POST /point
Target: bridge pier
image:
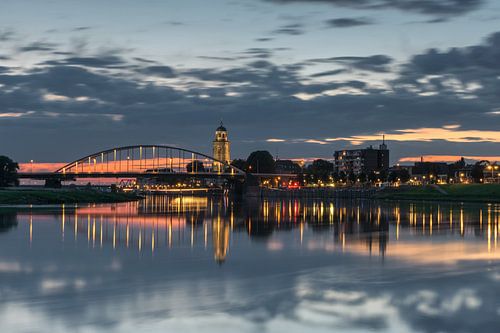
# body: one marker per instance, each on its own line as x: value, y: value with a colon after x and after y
x: 252, y: 185
x: 237, y: 188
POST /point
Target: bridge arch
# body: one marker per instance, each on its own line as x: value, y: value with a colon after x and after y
x: 149, y: 159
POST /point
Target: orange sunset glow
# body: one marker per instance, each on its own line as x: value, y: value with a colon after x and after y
x: 450, y: 133
x: 448, y: 158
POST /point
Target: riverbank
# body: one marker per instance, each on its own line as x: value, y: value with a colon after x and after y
x: 452, y: 192
x: 15, y: 196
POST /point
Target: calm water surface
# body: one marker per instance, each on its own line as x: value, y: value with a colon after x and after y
x: 171, y: 264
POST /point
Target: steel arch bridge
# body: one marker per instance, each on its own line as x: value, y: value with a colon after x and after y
x: 144, y: 161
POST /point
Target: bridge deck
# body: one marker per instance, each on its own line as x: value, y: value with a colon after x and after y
x: 70, y: 176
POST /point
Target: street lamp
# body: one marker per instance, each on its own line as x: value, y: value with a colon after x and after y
x: 492, y: 168
x: 31, y: 162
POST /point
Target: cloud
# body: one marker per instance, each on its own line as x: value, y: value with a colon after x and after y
x: 347, y: 22
x: 217, y: 58
x: 298, y: 105
x: 482, y: 56
x: 427, y: 7
x: 15, y: 114
x: 144, y: 60
x: 258, y: 52
x: 174, y: 23
x: 106, y: 61
x: 161, y: 71
x: 319, y: 142
x: 376, y: 63
x: 6, y: 35
x: 328, y: 73
x: 39, y: 46
x: 293, y: 29
x: 82, y: 28
x: 468, y: 72
x: 458, y: 59
x: 446, y: 133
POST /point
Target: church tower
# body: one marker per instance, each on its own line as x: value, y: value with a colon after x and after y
x: 221, y: 146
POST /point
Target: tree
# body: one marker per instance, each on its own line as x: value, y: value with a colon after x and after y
x: 336, y: 177
x: 260, y: 161
x: 195, y: 166
x: 382, y: 175
x: 351, y: 177
x: 477, y: 172
x: 342, y: 176
x: 362, y: 177
x: 372, y: 177
x: 321, y: 169
x: 8, y: 172
x: 240, y: 164
x: 401, y: 175
x: 405, y: 176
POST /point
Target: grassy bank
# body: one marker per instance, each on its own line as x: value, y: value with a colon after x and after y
x: 455, y: 192
x: 60, y: 196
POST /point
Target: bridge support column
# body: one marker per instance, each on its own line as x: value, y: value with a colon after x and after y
x: 251, y: 186
x: 236, y: 188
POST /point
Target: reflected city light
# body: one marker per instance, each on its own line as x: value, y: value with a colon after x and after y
x: 209, y: 223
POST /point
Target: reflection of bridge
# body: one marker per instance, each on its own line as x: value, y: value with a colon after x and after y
x: 146, y: 161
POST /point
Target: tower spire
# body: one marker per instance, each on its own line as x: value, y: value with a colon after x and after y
x: 383, y: 146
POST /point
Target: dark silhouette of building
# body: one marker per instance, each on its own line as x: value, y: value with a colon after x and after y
x: 287, y: 166
x: 365, y: 160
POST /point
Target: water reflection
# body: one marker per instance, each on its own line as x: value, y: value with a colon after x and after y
x: 190, y: 264
x: 8, y: 220
x: 161, y: 222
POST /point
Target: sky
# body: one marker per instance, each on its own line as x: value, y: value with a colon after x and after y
x: 298, y: 78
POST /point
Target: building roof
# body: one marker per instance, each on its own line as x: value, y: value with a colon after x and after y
x: 221, y: 128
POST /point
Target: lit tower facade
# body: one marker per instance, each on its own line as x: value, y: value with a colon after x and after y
x: 221, y: 146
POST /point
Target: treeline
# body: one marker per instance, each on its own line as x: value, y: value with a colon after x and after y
x: 319, y: 171
x: 8, y: 172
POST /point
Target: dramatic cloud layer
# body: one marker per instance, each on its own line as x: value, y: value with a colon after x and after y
x: 93, y: 101
x: 430, y: 7
x: 347, y: 22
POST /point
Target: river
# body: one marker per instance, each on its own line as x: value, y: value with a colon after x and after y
x: 197, y: 264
